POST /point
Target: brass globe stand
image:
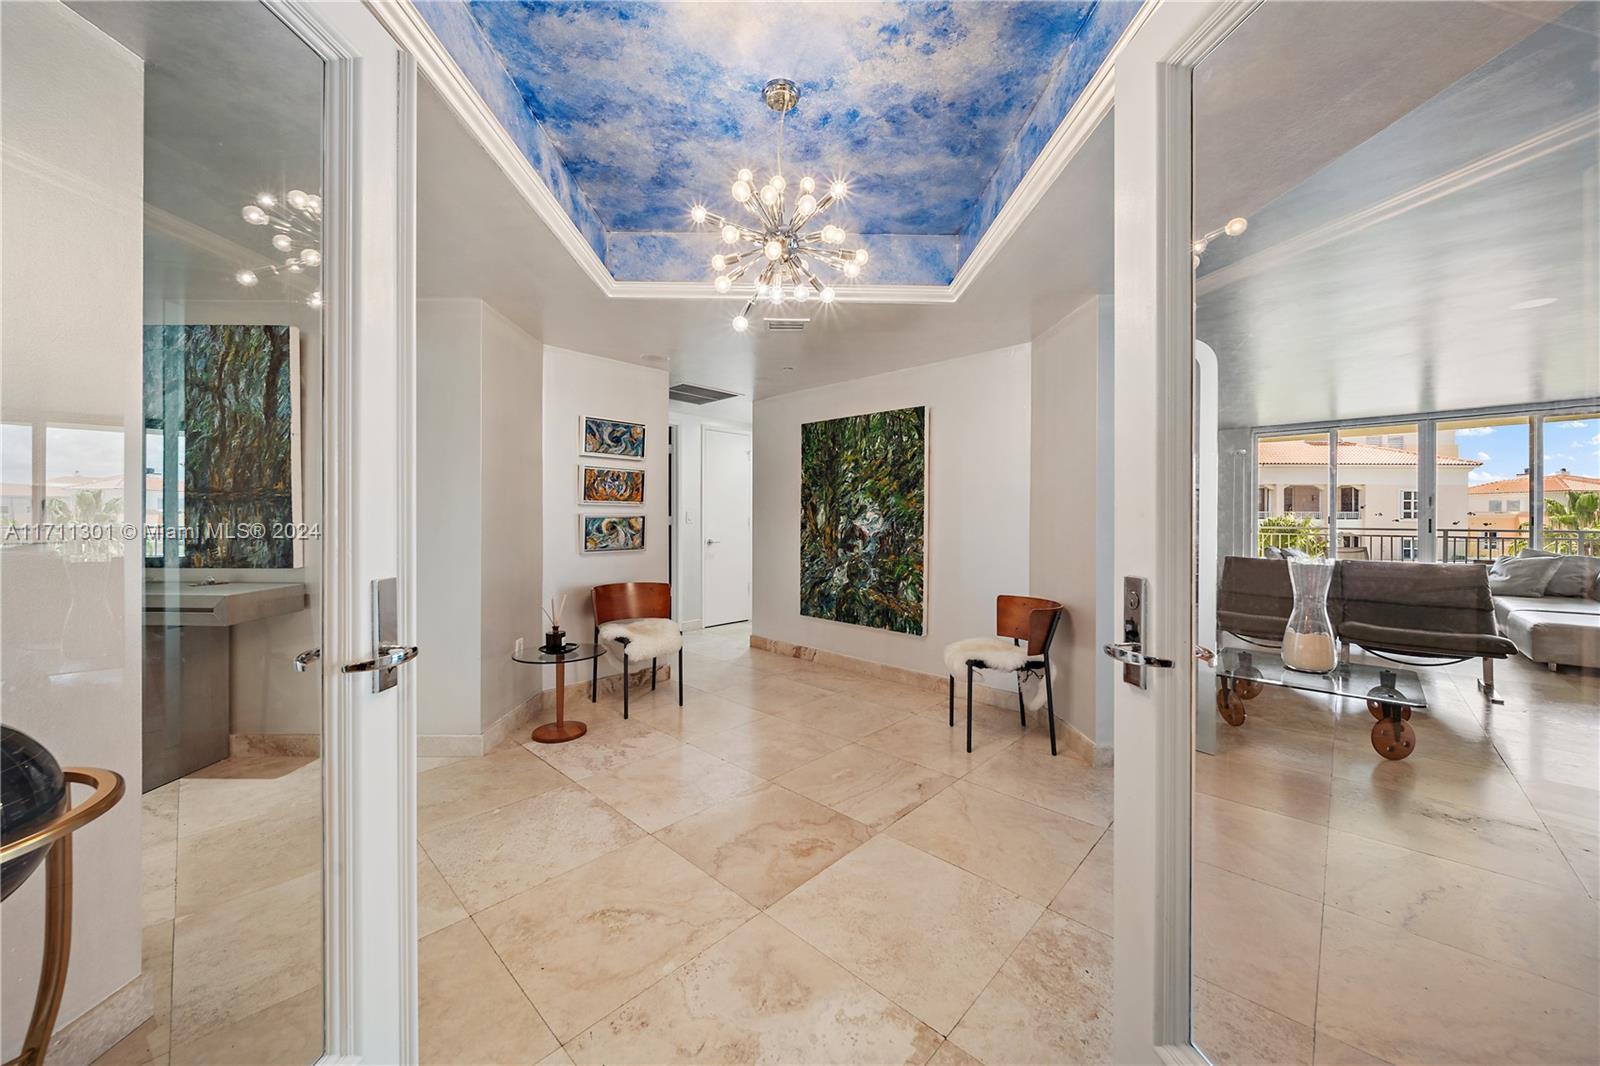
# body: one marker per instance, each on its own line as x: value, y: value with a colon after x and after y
x: 57, y: 836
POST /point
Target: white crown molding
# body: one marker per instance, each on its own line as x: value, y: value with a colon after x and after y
x: 409, y: 28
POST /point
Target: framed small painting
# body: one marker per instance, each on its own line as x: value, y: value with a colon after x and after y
x: 612, y: 439
x: 613, y: 533
x: 606, y: 484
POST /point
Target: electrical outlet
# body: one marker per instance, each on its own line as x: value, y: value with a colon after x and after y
x: 519, y: 646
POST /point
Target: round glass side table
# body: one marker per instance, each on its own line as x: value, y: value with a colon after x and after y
x: 560, y: 730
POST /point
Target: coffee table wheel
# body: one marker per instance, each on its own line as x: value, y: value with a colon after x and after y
x: 1393, y: 738
x: 1247, y: 688
x: 1230, y: 706
x: 1375, y: 707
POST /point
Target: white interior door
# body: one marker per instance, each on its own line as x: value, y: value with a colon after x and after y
x: 725, y: 495
x: 369, y: 291
x: 1154, y: 420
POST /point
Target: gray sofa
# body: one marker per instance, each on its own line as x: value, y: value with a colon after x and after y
x: 1553, y: 620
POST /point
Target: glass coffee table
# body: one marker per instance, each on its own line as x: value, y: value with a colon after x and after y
x: 1391, y: 694
x: 560, y: 730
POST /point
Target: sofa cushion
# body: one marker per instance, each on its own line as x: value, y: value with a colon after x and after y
x: 1439, y: 598
x: 1426, y: 641
x: 1574, y: 575
x: 1556, y: 637
x: 1522, y: 575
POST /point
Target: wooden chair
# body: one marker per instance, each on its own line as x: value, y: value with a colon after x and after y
x: 1018, y: 618
x: 633, y: 619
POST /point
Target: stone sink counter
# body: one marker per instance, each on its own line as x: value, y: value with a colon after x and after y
x: 188, y: 601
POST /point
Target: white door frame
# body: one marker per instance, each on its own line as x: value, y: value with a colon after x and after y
x: 1154, y: 462
x: 749, y: 438
x: 369, y: 739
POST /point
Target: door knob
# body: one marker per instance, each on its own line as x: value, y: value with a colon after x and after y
x: 303, y: 661
x: 710, y: 541
x: 389, y: 656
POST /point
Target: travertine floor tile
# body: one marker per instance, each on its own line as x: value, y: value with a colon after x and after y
x: 247, y: 855
x: 871, y: 786
x: 701, y: 715
x: 1024, y: 848
x: 1298, y: 794
x: 925, y: 933
x: 472, y: 786
x: 1257, y: 942
x: 769, y: 746
x: 932, y: 743
x: 602, y: 749
x: 1088, y: 897
x: 286, y: 1033
x: 472, y: 1012
x: 764, y: 844
x: 760, y: 996
x: 247, y: 786
x: 437, y: 905
x: 1050, y: 1002
x: 583, y: 944
x: 840, y: 714
x: 1268, y: 847
x: 662, y: 789
x: 1458, y: 1007
x: 1060, y: 783
x: 497, y: 854
x: 1231, y: 1030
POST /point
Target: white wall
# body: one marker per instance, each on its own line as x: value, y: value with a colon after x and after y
x: 978, y: 502
x: 576, y: 385
x: 1070, y: 527
x: 688, y: 544
x: 479, y: 490
x: 73, y: 120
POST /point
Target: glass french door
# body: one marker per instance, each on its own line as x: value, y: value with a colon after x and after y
x: 204, y: 440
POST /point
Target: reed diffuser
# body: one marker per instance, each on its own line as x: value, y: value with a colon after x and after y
x: 555, y: 640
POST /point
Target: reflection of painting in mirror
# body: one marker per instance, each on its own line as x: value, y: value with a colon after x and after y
x: 862, y: 508
x: 615, y: 440
x: 222, y: 402
x: 613, y: 533
x: 602, y: 484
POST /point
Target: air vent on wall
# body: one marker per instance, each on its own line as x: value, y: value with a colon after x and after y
x: 786, y: 324
x: 698, y: 394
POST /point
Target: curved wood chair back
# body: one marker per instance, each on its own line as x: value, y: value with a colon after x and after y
x: 1027, y: 618
x: 632, y: 599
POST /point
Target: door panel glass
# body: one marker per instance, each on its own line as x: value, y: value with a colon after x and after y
x: 162, y: 430
x: 1394, y: 861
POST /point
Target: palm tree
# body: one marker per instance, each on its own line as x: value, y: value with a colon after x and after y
x: 1581, y: 514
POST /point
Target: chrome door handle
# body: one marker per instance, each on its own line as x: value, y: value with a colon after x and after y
x: 303, y: 661
x: 710, y: 541
x: 389, y: 656
x: 1130, y: 655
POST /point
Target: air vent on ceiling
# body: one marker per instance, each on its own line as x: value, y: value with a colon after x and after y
x: 698, y: 394
x: 786, y: 324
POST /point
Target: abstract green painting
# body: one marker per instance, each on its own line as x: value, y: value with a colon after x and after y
x: 863, y: 510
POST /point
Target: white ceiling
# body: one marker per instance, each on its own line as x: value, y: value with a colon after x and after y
x: 478, y: 238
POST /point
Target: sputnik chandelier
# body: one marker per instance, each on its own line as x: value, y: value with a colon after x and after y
x: 774, y: 251
x: 297, y: 220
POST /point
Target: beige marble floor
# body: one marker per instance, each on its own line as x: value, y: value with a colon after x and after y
x: 804, y: 865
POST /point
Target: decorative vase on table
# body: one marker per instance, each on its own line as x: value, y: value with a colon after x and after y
x: 1308, y: 642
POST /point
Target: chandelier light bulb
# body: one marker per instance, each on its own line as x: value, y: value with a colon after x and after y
x: 314, y: 202
x: 293, y: 266
x: 723, y: 283
x: 761, y: 290
x: 282, y: 242
x: 808, y: 184
x: 769, y: 195
x: 698, y: 213
x: 832, y: 234
x: 740, y: 323
x: 801, y: 293
x: 837, y: 190
x: 774, y: 249
x: 1235, y: 227
x: 719, y: 262
x: 741, y: 189
x: 745, y: 175
x: 311, y: 257
x: 778, y: 182
x: 827, y: 294
x: 852, y: 270
x: 861, y: 256
x: 1200, y: 246
x: 266, y: 199
x: 807, y: 204
x: 297, y: 199
x: 253, y: 215
x: 314, y: 301
x: 776, y: 295
x: 246, y: 278
x: 730, y: 233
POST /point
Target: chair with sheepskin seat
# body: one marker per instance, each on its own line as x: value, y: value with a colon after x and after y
x: 1018, y: 618
x: 633, y: 621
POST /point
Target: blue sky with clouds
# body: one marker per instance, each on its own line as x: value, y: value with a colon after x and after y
x: 1503, y: 450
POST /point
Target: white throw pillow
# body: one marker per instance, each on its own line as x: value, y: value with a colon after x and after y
x: 1574, y: 575
x: 1523, y: 575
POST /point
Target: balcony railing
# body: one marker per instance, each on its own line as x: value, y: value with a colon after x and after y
x: 1451, y: 545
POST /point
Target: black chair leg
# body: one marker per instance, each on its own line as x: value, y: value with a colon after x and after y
x: 594, y: 666
x: 1022, y: 707
x: 970, y: 672
x: 653, y: 669
x: 1050, y: 707
x: 625, y: 669
x: 680, y: 676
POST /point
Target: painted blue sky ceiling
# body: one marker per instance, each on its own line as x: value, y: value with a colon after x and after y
x: 933, y: 111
